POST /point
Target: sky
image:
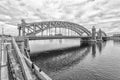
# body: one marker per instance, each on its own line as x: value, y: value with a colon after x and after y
x: 104, y: 14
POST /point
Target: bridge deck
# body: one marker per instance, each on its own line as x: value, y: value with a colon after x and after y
x: 56, y: 37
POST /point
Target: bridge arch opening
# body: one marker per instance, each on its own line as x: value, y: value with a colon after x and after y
x: 53, y: 31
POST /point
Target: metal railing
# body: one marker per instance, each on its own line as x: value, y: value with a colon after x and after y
x: 38, y: 72
x: 27, y: 65
x: 26, y: 72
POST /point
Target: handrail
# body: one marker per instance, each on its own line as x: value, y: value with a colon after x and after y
x: 40, y: 74
x: 26, y: 72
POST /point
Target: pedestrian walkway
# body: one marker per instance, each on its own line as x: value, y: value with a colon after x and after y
x: 3, y: 62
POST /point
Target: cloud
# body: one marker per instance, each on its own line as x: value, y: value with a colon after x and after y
x: 101, y: 13
x: 5, y: 17
x: 8, y: 29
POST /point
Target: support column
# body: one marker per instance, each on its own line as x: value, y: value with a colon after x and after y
x: 42, y: 33
x: 55, y: 30
x: 93, y: 33
x: 48, y: 32
x: 68, y: 32
x: 60, y: 30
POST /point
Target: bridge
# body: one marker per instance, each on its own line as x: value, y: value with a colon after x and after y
x: 15, y: 60
x: 71, y: 30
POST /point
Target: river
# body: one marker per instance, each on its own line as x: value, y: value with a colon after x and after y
x: 84, y: 61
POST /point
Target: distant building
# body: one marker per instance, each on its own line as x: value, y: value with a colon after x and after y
x: 6, y: 35
x: 116, y: 35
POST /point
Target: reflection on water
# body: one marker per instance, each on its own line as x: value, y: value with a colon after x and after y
x: 88, y: 61
x: 99, y: 46
x: 116, y: 42
x: 48, y: 45
x: 93, y: 50
x: 62, y: 59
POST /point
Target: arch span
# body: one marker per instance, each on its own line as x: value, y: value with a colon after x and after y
x: 36, y: 27
x: 103, y: 34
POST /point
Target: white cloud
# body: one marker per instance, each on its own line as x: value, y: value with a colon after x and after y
x: 5, y: 17
x: 84, y: 12
x: 8, y: 29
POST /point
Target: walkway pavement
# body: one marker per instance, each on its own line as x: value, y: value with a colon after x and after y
x: 3, y: 63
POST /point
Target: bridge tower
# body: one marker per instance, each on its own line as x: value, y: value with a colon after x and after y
x: 93, y: 33
x: 25, y: 41
x: 23, y: 27
x: 19, y: 30
x: 100, y: 35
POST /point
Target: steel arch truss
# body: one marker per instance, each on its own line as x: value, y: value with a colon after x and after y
x: 101, y: 33
x: 37, y: 27
x: 104, y: 34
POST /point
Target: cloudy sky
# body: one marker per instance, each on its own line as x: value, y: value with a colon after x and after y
x: 103, y: 14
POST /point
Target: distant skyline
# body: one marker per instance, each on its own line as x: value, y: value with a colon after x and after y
x: 104, y: 14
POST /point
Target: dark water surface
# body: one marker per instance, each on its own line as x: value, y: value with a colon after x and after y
x: 85, y: 61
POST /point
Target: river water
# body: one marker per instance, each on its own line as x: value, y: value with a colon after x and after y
x: 84, y: 61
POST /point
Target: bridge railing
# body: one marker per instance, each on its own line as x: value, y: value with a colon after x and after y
x: 40, y: 74
x: 28, y: 65
x: 26, y: 72
x: 10, y: 64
